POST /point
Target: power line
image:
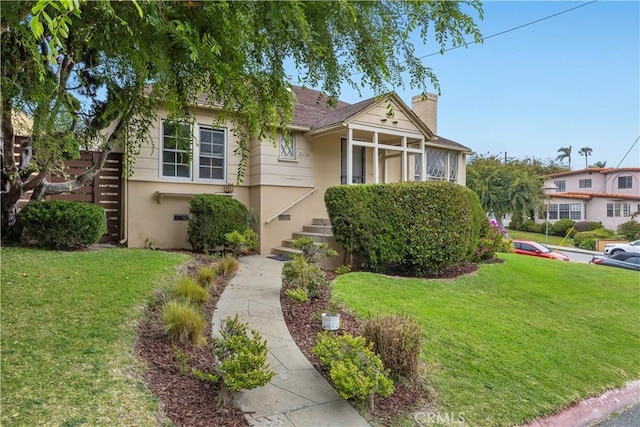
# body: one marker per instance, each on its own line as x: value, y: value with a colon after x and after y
x: 465, y: 44
x: 630, y: 148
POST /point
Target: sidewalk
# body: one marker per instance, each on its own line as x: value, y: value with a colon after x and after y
x: 298, y: 395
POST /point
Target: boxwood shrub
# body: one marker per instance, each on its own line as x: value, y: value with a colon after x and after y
x: 598, y: 233
x: 211, y: 217
x: 414, y: 228
x: 62, y: 224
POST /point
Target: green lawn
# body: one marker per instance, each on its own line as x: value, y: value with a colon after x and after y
x: 515, y: 340
x: 540, y: 238
x: 68, y: 322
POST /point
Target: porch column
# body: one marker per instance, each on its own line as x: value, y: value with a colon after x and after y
x: 405, y: 163
x: 349, y: 155
x: 376, y: 160
x: 423, y: 164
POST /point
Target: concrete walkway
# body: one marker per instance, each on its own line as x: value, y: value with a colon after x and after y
x: 297, y: 395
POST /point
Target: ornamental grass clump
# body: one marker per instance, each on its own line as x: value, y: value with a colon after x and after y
x: 188, y: 289
x: 356, y: 371
x: 182, y: 322
x: 398, y: 341
x: 206, y: 276
x: 227, y: 266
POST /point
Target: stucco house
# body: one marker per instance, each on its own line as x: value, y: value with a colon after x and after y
x: 608, y: 195
x: 285, y: 184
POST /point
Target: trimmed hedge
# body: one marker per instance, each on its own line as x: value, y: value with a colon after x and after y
x: 561, y: 228
x: 410, y: 227
x: 598, y: 233
x: 62, y: 224
x: 211, y: 217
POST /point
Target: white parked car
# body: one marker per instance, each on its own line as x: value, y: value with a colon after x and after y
x: 616, y: 248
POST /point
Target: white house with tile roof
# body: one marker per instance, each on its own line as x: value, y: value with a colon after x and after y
x: 608, y: 195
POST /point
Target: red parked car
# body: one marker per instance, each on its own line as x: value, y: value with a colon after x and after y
x: 527, y: 247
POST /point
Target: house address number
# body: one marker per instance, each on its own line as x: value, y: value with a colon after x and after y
x: 303, y: 154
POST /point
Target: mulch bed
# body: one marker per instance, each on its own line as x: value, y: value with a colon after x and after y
x: 186, y: 400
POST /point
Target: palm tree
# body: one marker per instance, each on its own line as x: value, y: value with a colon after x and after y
x: 565, y: 153
x: 599, y: 164
x: 586, y: 152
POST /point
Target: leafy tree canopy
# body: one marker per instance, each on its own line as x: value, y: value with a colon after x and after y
x: 512, y: 187
x: 93, y: 72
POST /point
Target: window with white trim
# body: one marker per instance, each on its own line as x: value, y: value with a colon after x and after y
x: 287, y: 144
x: 176, y: 149
x: 211, y: 159
x: 564, y: 210
x: 453, y: 167
x: 585, y: 183
x: 180, y: 152
x: 625, y: 181
x: 553, y: 211
x: 626, y: 210
x: 561, y: 186
x: 574, y: 211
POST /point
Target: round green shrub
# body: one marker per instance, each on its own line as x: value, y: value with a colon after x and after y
x: 596, y: 224
x: 561, y: 228
x: 531, y: 226
x: 62, y: 224
x: 588, y: 244
x: 211, y: 217
x: 599, y: 233
x: 630, y: 230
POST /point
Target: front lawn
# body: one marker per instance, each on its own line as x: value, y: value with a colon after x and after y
x: 68, y: 322
x: 515, y: 340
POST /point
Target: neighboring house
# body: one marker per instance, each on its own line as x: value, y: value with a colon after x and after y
x: 607, y: 195
x: 285, y: 184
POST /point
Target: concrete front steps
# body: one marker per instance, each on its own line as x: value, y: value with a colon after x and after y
x: 320, y: 231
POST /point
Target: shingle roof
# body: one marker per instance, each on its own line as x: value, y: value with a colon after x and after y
x: 449, y: 143
x: 312, y: 107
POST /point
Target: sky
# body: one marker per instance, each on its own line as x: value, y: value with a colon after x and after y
x: 571, y: 80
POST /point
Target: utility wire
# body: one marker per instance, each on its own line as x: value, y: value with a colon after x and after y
x: 630, y: 148
x: 508, y: 31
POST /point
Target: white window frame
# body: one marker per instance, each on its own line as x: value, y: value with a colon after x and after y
x: 583, y: 183
x: 194, y: 165
x: 161, y: 156
x: 560, y: 188
x: 281, y: 140
x: 627, y: 179
x: 197, y: 155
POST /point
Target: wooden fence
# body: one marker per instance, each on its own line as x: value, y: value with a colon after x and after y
x: 105, y: 190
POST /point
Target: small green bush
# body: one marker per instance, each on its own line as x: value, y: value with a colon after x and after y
x: 630, y: 230
x: 62, y: 224
x: 531, y: 226
x: 297, y: 295
x: 182, y: 322
x: 599, y: 233
x: 241, y: 360
x: 206, y: 276
x: 242, y: 243
x: 356, y: 371
x: 398, y: 341
x: 299, y: 273
x: 190, y: 290
x: 596, y: 224
x: 588, y: 244
x: 561, y: 228
x: 516, y: 223
x: 211, y: 217
x: 343, y: 269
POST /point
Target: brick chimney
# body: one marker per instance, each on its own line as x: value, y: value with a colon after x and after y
x: 426, y: 108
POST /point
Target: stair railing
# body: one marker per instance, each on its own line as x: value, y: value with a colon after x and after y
x: 298, y: 200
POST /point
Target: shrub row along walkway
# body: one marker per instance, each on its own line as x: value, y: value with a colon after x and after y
x: 297, y: 395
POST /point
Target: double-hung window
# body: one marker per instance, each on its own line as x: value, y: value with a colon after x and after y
x: 193, y: 154
x: 176, y: 150
x: 574, y: 211
x: 212, y: 154
x: 561, y: 186
x: 564, y: 210
x: 585, y: 183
